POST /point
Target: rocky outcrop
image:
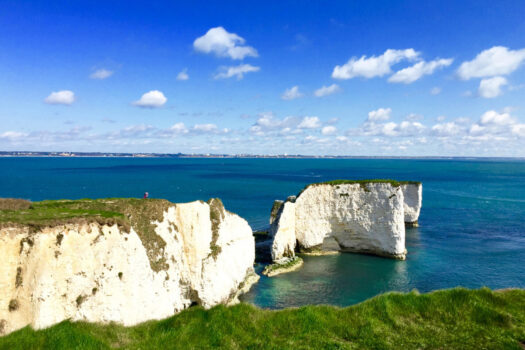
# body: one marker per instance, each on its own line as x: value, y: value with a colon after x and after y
x: 413, y: 198
x: 353, y: 216
x: 201, y: 254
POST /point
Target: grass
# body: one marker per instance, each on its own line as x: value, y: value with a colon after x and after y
x: 362, y: 183
x: 125, y: 212
x: 270, y: 269
x: 449, y: 319
x: 216, y: 216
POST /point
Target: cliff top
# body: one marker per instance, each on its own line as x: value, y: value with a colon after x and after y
x: 362, y: 183
x: 125, y: 212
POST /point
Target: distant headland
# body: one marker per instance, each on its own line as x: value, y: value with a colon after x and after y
x: 69, y: 154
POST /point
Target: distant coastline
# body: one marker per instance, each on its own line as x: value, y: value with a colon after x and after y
x: 212, y: 155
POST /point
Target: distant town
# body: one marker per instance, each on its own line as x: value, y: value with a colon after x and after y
x: 212, y: 155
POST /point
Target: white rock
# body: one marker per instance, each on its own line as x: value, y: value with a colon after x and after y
x: 413, y: 198
x: 100, y: 274
x: 282, y: 229
x: 344, y: 217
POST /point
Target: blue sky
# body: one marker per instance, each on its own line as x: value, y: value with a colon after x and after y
x: 400, y: 78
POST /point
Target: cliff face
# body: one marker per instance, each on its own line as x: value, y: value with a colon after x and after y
x: 100, y: 273
x: 346, y: 217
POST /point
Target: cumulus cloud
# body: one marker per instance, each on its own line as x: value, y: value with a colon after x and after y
x: 224, y: 44
x: 291, y: 93
x: 327, y: 90
x: 101, y: 74
x: 183, y: 75
x: 374, y: 66
x: 497, y: 60
x: 236, y: 71
x: 328, y: 130
x: 446, y: 129
x: 411, y: 74
x: 380, y: 114
x: 151, y: 99
x: 309, y: 123
x: 376, y: 124
x: 491, y: 87
x: 63, y: 97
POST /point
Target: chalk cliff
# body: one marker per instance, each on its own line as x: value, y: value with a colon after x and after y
x: 196, y: 253
x: 413, y: 197
x: 345, y: 216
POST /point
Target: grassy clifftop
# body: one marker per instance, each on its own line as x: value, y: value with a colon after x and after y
x: 449, y: 319
x: 362, y: 183
x: 125, y: 212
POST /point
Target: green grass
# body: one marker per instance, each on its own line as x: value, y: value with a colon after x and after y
x: 362, y: 183
x: 282, y: 266
x: 125, y: 212
x: 449, y: 319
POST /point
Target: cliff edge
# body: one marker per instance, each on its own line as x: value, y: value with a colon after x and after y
x: 118, y: 260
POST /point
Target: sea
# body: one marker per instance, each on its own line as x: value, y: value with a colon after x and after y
x: 471, y: 233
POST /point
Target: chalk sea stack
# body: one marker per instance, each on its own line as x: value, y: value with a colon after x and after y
x: 366, y: 216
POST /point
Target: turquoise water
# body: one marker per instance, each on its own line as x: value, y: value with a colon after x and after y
x: 472, y: 225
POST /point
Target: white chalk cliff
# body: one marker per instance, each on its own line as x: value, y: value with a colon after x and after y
x: 413, y: 197
x: 357, y: 217
x: 99, y: 273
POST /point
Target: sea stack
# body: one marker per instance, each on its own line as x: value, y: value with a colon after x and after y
x: 343, y: 215
x: 148, y: 261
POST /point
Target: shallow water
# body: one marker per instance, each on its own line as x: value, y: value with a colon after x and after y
x: 472, y: 226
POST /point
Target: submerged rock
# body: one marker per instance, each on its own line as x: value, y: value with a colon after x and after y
x: 353, y: 216
x: 97, y: 272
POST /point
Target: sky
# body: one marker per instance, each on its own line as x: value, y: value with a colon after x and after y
x: 363, y: 78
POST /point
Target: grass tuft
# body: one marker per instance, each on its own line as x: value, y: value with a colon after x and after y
x: 448, y: 319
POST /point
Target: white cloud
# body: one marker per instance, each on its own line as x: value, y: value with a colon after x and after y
x: 328, y: 130
x: 491, y: 87
x: 223, y: 44
x: 12, y: 135
x: 179, y: 128
x: 411, y: 74
x: 375, y: 66
x: 63, y: 97
x: 183, y: 75
x: 101, y: 74
x: 327, y: 90
x: 309, y: 123
x: 495, y: 118
x: 291, y: 93
x: 151, y: 99
x: 446, y: 129
x: 379, y: 114
x: 205, y: 128
x: 236, y: 71
x: 435, y: 91
x: 497, y: 60
x: 519, y: 130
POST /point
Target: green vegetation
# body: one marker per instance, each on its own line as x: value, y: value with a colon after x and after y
x: 449, y: 319
x: 216, y: 216
x: 362, y: 183
x: 273, y: 269
x: 125, y: 212
x: 277, y: 205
